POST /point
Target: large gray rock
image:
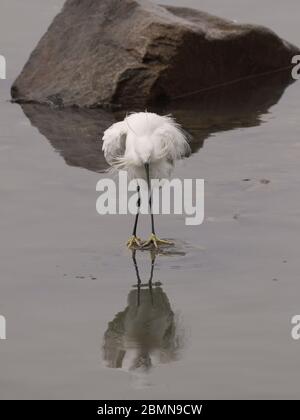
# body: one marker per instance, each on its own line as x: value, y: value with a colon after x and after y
x: 133, y: 52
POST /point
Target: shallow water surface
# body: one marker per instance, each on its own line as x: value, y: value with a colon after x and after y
x: 83, y: 320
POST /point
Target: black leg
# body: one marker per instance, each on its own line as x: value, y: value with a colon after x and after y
x: 153, y: 256
x: 138, y: 211
x: 139, y: 284
x: 150, y: 196
x: 137, y: 276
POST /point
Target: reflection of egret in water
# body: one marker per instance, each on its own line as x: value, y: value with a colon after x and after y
x: 146, y: 333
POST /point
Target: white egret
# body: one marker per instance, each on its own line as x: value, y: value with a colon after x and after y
x: 146, y: 145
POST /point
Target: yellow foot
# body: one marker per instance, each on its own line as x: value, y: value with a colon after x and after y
x: 154, y: 240
x: 134, y: 242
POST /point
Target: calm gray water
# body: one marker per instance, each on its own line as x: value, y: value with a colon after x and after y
x: 218, y: 318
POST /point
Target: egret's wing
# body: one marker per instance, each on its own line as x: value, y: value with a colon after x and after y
x: 114, y: 142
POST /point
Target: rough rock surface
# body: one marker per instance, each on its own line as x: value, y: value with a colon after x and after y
x: 132, y: 53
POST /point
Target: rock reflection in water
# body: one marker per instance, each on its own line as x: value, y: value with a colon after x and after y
x: 75, y: 133
x: 145, y: 333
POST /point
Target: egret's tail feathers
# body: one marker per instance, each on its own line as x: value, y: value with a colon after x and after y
x: 170, y: 142
x: 145, y: 138
x: 122, y: 162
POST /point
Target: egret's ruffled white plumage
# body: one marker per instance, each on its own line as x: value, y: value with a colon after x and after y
x: 142, y: 138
